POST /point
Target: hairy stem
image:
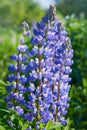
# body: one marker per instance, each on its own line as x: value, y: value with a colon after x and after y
x: 39, y: 84
x: 58, y: 98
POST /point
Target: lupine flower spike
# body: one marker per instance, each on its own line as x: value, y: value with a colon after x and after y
x: 42, y: 73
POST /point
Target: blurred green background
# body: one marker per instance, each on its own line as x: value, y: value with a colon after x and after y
x: 74, y: 15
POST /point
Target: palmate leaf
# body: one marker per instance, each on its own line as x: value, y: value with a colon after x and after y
x: 50, y: 125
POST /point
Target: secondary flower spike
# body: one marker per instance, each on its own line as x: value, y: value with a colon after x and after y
x: 39, y: 82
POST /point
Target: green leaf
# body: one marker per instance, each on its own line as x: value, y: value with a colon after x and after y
x: 55, y: 125
x: 12, y: 117
x: 25, y: 126
x: 5, y: 110
x: 2, y: 83
x: 41, y: 125
x: 66, y: 128
x: 50, y: 125
x: 20, y: 123
x: 2, y: 128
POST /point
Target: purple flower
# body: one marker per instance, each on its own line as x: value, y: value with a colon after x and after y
x: 40, y: 25
x: 9, y: 87
x: 11, y: 68
x: 46, y: 117
x: 22, y: 48
x: 22, y: 58
x: 32, y: 97
x: 40, y: 79
x: 19, y: 110
x: 22, y: 40
x: 29, y: 117
x: 34, y: 40
x: 13, y: 57
x: 31, y: 88
x: 11, y: 78
x: 23, y: 79
x: 37, y: 125
x: 62, y: 120
x: 9, y: 97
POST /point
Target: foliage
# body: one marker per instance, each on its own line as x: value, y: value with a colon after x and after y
x: 67, y: 7
x: 9, y: 26
x: 13, y: 12
x: 78, y: 104
x: 8, y: 43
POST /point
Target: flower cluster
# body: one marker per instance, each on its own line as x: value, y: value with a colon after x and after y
x: 17, y: 76
x: 39, y: 81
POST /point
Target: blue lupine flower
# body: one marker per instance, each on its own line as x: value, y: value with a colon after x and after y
x: 37, y: 126
x: 11, y: 68
x: 33, y: 51
x: 32, y: 97
x: 11, y: 78
x: 62, y: 120
x: 41, y: 78
x: 31, y: 88
x: 46, y: 117
x: 17, y: 77
x: 23, y: 68
x: 9, y: 87
x: 34, y: 40
x: 36, y: 32
x: 22, y: 48
x: 29, y: 117
x: 40, y: 25
x: 9, y: 97
x: 22, y: 58
x: 22, y: 40
x: 19, y: 110
x: 21, y: 88
x: 13, y: 57
x: 19, y: 98
x: 23, y: 79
